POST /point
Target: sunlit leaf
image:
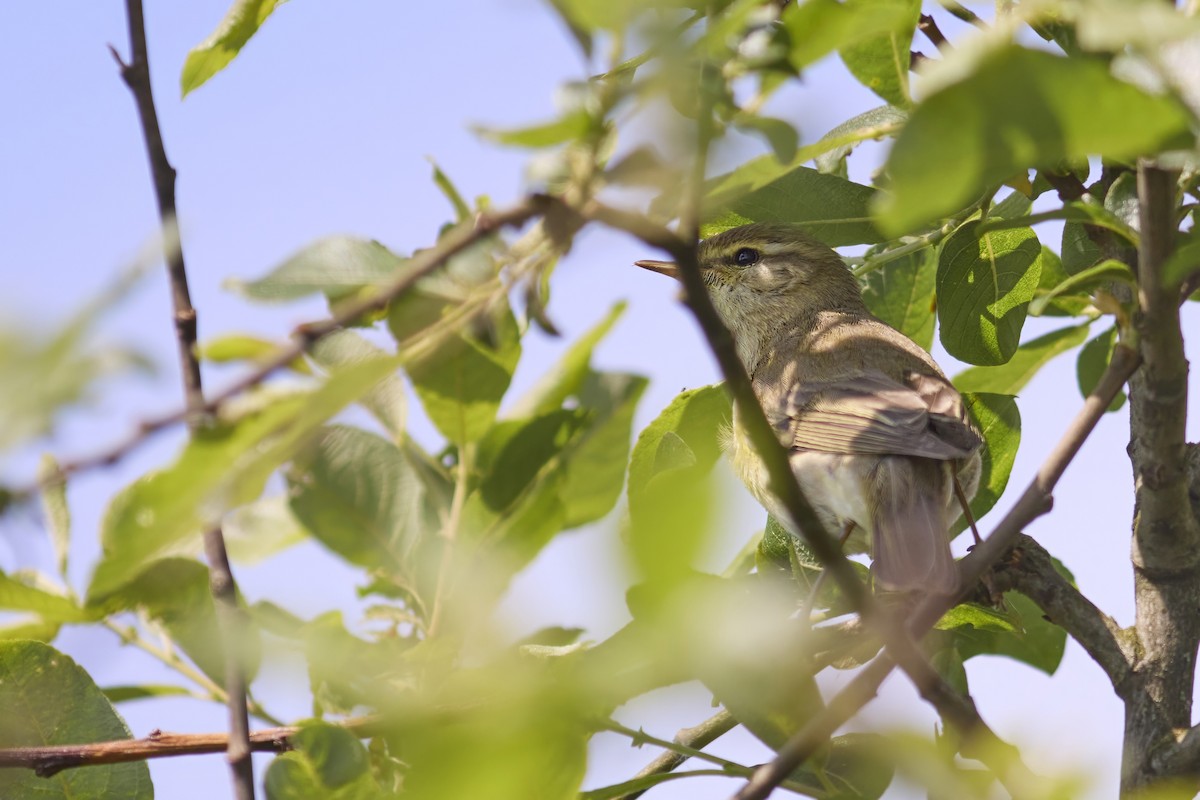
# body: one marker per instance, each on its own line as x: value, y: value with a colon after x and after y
x: 326, y: 761
x: 1011, y: 110
x: 387, y: 401
x: 50, y: 700
x: 1106, y: 272
x: 336, y: 266
x: 1030, y: 357
x: 24, y: 592
x: 881, y: 63
x: 241, y: 21
x: 984, y: 286
x: 819, y: 27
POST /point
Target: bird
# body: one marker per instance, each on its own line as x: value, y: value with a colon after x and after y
x: 878, y: 438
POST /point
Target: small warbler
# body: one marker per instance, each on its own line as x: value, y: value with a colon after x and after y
x: 877, y: 434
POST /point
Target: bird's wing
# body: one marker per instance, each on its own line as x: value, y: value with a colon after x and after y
x: 876, y: 414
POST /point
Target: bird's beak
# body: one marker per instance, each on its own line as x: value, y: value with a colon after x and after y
x: 667, y: 268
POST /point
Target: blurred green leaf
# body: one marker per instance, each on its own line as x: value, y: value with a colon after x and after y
x: 570, y: 127
x: 1093, y: 361
x: 257, y: 530
x: 387, y: 401
x: 999, y: 422
x: 685, y: 434
x: 593, y: 15
x: 357, y: 494
x: 1010, y: 110
x: 566, y: 377
x: 819, y: 27
x: 221, y: 468
x: 143, y: 691
x: 241, y: 21
x: 832, y: 209
x: 984, y: 285
x: 1011, y: 378
x: 1184, y: 261
x: 980, y: 617
x: 25, y: 592
x: 881, y: 63
x: 779, y: 135
x: 1078, y: 250
x: 244, y: 347
x: 175, y: 593
x: 55, y: 509
x: 337, y: 266
x: 901, y: 293
x: 462, y: 211
x: 326, y: 761
x: 344, y: 671
x: 50, y: 700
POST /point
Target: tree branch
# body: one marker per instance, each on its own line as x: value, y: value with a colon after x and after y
x: 50, y: 760
x: 696, y: 737
x: 1035, y: 501
x: 1031, y: 572
x: 231, y: 620
x: 305, y: 335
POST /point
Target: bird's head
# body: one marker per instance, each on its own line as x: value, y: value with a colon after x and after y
x: 766, y: 276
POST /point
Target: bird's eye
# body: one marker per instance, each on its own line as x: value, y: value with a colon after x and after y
x: 745, y: 257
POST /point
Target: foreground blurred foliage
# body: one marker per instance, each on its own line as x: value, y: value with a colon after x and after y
x: 437, y: 534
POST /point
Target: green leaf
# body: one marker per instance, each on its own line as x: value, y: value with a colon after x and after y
x: 1184, y: 262
x: 1093, y: 361
x: 830, y: 208
x: 327, y: 761
x: 175, y: 593
x: 1030, y: 357
x: 462, y: 211
x: 261, y: 529
x: 1101, y: 274
x: 50, y: 700
x: 336, y: 266
x: 980, y: 617
x: 143, y: 691
x: 220, y: 468
x: 999, y: 422
x: 461, y: 381
x: 1015, y: 109
x: 691, y: 422
x: 572, y: 126
x: 901, y: 293
x: 873, y: 124
x: 244, y: 347
x: 1034, y: 640
x: 387, y: 401
x: 56, y: 510
x: 881, y: 63
x: 565, y: 378
x: 984, y: 285
x: 1078, y: 250
x: 819, y: 27
x: 357, y: 494
x: 22, y: 592
x: 1062, y: 305
x: 241, y: 21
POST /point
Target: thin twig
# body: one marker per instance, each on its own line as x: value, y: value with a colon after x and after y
x: 965, y: 14
x: 231, y: 620
x: 50, y: 760
x: 696, y: 737
x: 1035, y: 501
x: 928, y: 26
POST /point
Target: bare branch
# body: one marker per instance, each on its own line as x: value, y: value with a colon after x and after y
x: 696, y: 737
x: 50, y: 760
x: 928, y: 26
x: 230, y: 618
x: 1031, y: 572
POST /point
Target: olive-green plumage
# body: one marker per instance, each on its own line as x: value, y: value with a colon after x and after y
x: 876, y: 431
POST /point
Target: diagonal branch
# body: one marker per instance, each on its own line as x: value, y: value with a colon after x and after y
x: 231, y: 620
x: 307, y: 334
x: 1035, y: 501
x: 1031, y: 572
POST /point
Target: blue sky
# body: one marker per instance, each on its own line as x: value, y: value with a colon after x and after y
x: 323, y: 125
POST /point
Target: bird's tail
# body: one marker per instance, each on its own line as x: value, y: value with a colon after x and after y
x: 910, y: 542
